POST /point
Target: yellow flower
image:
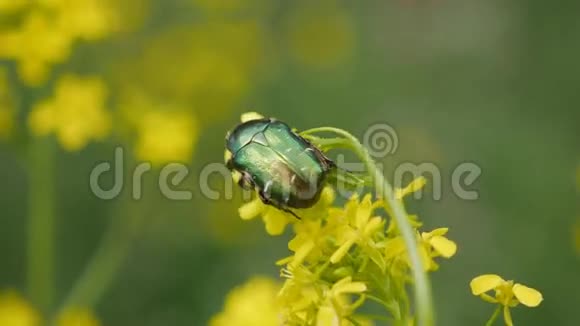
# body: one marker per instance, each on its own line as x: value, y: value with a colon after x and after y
x: 435, y: 244
x: 320, y: 35
x: 431, y: 245
x: 309, y: 301
x: 276, y: 220
x: 76, y: 113
x: 85, y: 19
x: 36, y: 45
x: 168, y: 135
x: 77, y: 317
x: 507, y: 293
x: 335, y: 308
x: 253, y: 303
x: 15, y: 311
x: 9, y: 6
x: 412, y: 187
x: 310, y: 240
x: 360, y: 228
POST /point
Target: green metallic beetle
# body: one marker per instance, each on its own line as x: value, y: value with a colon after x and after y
x: 285, y: 169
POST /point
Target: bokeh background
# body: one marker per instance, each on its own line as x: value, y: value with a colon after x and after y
x: 490, y: 82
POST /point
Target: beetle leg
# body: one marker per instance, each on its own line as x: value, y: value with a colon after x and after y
x: 246, y: 181
x: 268, y: 201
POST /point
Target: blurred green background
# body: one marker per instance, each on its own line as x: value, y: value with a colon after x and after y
x: 490, y: 82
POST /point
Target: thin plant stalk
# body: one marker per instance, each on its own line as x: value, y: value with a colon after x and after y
x: 422, y: 286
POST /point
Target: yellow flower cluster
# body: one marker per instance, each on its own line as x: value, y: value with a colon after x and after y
x: 15, y: 311
x: 48, y: 30
x: 76, y: 113
x: 341, y: 252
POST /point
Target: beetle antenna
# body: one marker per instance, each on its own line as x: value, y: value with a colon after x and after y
x: 291, y: 212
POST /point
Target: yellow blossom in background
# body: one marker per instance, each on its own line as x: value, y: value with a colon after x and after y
x: 9, y: 6
x: 36, y: 45
x: 48, y: 30
x: 211, y: 65
x: 85, y: 19
x: 166, y: 135
x: 15, y: 311
x: 76, y: 113
x: 507, y: 293
x: 251, y: 304
x: 320, y: 35
x: 77, y: 317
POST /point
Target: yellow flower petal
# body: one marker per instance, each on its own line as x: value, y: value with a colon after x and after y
x: 363, y: 212
x: 227, y: 155
x: 327, y: 316
x: 373, y: 225
x: 251, y: 209
x: 436, y: 232
x: 341, y: 251
x: 77, y: 317
x: 249, y: 116
x: 327, y: 196
x: 484, y: 283
x: 15, y: 311
x: 443, y: 246
x: 527, y: 296
x: 275, y: 221
x: 301, y: 253
x: 412, y: 187
x: 350, y: 287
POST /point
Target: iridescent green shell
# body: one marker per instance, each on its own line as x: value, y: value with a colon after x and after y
x: 285, y: 169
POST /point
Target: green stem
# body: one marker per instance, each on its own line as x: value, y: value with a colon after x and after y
x: 423, y: 298
x: 100, y: 271
x: 494, y: 316
x: 40, y: 232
